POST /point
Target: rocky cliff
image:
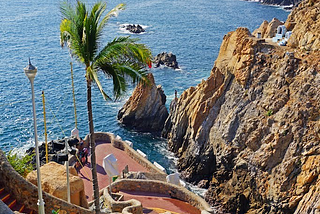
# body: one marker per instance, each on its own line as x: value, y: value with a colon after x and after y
x: 251, y: 131
x: 280, y: 2
x: 304, y: 22
x: 145, y: 110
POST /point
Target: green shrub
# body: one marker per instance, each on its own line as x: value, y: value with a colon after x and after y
x: 269, y: 113
x: 22, y: 165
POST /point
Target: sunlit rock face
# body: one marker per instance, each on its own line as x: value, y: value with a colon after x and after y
x: 250, y: 132
x: 145, y: 110
x: 54, y: 182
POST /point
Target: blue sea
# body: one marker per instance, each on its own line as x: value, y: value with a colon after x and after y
x: 191, y: 29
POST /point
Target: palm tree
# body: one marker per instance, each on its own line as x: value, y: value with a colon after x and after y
x: 121, y: 59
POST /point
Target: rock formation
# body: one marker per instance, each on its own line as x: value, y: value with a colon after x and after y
x: 134, y: 28
x: 56, y: 151
x: 280, y: 2
x: 268, y: 30
x: 54, y: 182
x: 251, y: 131
x: 145, y: 110
x: 304, y: 22
x: 167, y: 59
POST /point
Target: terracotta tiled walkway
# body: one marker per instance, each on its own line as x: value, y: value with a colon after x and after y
x: 159, y: 203
x: 102, y: 150
x: 153, y: 203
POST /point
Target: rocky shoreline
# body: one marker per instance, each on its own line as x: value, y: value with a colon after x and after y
x: 56, y: 151
x: 250, y: 133
x: 285, y: 4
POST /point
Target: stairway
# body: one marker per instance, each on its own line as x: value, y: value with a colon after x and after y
x: 13, y: 204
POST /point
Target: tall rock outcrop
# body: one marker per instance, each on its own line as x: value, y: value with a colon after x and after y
x: 145, y: 110
x: 268, y: 30
x: 251, y: 131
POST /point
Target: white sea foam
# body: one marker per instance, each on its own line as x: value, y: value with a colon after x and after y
x: 196, y: 190
x: 21, y: 150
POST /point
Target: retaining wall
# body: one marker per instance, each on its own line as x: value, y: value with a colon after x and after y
x: 120, y: 144
x: 125, y: 207
x: 153, y: 186
x: 27, y: 193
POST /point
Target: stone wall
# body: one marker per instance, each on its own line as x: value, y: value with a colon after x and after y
x: 160, y: 187
x: 27, y: 193
x: 4, y: 209
x: 130, y: 206
x: 120, y: 144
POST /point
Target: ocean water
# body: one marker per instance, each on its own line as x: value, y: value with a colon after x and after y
x: 192, y: 30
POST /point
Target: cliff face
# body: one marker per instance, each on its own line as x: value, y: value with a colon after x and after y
x: 281, y: 2
x: 251, y: 131
x: 304, y: 22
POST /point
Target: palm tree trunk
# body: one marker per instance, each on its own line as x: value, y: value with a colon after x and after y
x: 92, y: 149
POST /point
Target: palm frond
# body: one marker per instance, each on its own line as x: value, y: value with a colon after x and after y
x: 92, y: 73
x: 121, y: 59
x: 64, y: 32
x: 133, y: 73
x: 111, y: 13
x: 125, y: 50
x: 67, y: 10
x: 115, y: 73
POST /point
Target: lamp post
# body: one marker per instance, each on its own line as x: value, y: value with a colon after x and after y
x: 67, y: 167
x: 31, y: 72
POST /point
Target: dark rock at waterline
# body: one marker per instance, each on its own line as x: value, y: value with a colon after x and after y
x: 280, y: 2
x: 56, y: 151
x: 135, y: 28
x: 167, y: 59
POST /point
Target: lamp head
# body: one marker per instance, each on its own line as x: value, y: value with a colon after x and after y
x: 30, y: 71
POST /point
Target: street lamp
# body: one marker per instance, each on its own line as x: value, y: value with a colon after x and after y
x: 67, y: 165
x: 31, y: 72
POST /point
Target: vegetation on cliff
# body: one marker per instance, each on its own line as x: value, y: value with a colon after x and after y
x: 23, y: 165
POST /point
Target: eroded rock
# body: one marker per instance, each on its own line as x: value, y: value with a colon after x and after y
x: 145, y: 110
x: 167, y: 59
x: 54, y: 182
x: 252, y: 128
x: 304, y: 22
x: 135, y: 28
x: 268, y: 30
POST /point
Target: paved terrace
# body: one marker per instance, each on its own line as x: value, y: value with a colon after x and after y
x: 103, y: 149
x: 153, y: 203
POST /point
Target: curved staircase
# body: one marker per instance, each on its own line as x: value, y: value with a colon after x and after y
x: 12, y: 203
